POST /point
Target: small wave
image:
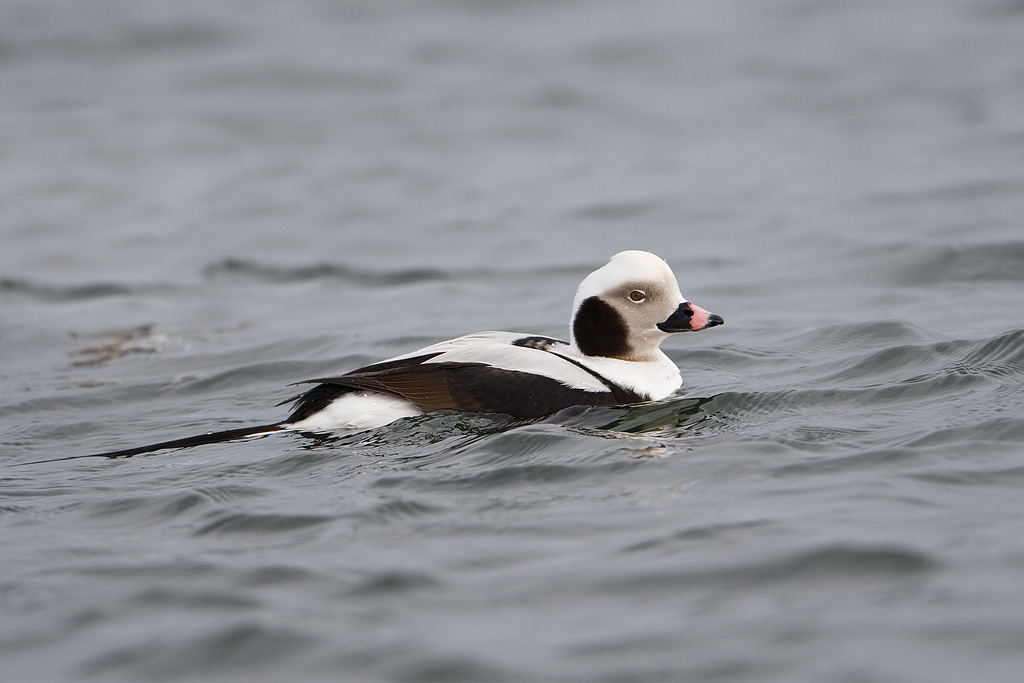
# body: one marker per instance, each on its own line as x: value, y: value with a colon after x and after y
x: 834, y: 562
x: 241, y: 646
x: 860, y: 335
x: 1000, y: 429
x: 794, y: 354
x: 240, y: 268
x: 143, y: 508
x: 392, y: 583
x: 860, y: 460
x: 395, y: 511
x: 964, y: 263
x: 438, y: 667
x: 617, y: 211
x: 158, y: 597
x: 845, y: 363
x: 937, y: 366
x: 704, y: 532
x: 1001, y: 477
x: 246, y: 523
x: 839, y: 560
x: 866, y: 408
x: 509, y: 476
x: 879, y: 366
x: 65, y: 293
x: 999, y: 356
x: 276, y: 575
x: 245, y: 375
x: 247, y: 269
x: 982, y: 189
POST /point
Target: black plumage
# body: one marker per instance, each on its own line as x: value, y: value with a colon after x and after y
x: 467, y: 387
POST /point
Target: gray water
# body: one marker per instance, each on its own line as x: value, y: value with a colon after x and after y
x: 206, y: 201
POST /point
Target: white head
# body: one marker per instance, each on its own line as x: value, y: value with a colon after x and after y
x: 626, y: 308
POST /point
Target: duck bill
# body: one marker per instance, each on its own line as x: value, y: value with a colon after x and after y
x: 690, y: 318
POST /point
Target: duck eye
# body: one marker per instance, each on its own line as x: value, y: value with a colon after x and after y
x: 637, y: 296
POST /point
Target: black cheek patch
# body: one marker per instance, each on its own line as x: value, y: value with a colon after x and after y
x: 599, y: 330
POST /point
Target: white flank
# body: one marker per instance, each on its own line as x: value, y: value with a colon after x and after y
x: 358, y: 410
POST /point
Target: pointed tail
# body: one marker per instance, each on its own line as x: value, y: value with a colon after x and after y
x: 187, y: 442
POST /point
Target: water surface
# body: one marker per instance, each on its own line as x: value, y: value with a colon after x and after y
x: 205, y: 202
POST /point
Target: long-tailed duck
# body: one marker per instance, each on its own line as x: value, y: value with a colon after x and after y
x: 621, y: 314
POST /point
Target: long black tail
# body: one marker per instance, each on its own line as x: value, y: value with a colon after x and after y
x: 187, y: 442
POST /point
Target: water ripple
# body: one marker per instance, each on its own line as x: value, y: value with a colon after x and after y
x: 244, y: 269
x: 259, y: 524
x: 242, y: 646
x: 836, y: 562
x: 68, y: 293
x: 964, y: 263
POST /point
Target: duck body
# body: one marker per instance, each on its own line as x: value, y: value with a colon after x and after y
x: 521, y: 375
x: 621, y: 314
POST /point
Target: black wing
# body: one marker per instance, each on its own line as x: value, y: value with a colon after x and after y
x: 463, y: 386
